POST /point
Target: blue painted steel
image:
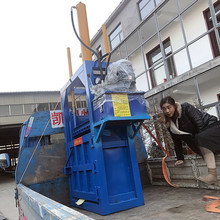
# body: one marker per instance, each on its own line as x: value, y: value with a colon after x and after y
x: 140, y: 149
x: 29, y: 140
x: 40, y: 121
x: 44, y: 173
x: 22, y: 134
x: 56, y: 189
x: 103, y: 106
x: 101, y: 157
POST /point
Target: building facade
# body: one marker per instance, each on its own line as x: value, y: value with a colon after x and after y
x: 173, y: 46
x: 15, y: 109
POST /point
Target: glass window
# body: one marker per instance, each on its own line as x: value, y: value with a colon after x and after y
x: 132, y: 42
x: 4, y: 110
x: 174, y: 32
x: 167, y: 13
x: 43, y: 107
x: 193, y: 20
x: 137, y: 61
x: 208, y: 83
x: 116, y: 36
x: 154, y: 57
x: 184, y: 92
x: 53, y: 105
x: 141, y: 82
x: 148, y: 29
x: 147, y: 6
x: 116, y: 55
x: 186, y: 3
x: 209, y: 23
x: 99, y: 51
x: 29, y: 108
x: 16, y: 109
x: 154, y: 104
x: 81, y: 101
x: 181, y: 62
x: 123, y: 51
x: 200, y: 51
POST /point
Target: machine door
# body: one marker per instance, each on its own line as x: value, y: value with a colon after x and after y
x: 83, y: 169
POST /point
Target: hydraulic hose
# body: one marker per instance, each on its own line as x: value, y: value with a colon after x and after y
x: 93, y: 51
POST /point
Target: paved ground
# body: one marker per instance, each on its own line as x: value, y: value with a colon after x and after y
x: 167, y: 203
x: 7, y: 201
x: 161, y: 203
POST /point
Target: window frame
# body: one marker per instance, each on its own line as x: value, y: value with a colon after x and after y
x: 169, y: 64
x: 141, y: 9
x: 119, y: 34
x: 8, y: 111
x: 99, y: 50
x: 28, y: 112
x: 218, y: 97
x: 209, y: 25
x: 14, y: 110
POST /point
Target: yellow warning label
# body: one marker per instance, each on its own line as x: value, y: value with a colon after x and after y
x: 121, y: 105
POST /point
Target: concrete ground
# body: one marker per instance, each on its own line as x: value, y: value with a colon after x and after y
x: 167, y: 203
x: 7, y: 202
x: 161, y: 203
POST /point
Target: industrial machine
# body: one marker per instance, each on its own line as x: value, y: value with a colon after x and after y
x: 100, y: 148
x: 98, y: 161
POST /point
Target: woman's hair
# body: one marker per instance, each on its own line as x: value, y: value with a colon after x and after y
x: 167, y: 99
x: 171, y: 101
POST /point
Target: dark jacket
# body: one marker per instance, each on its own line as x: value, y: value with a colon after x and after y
x: 191, y: 122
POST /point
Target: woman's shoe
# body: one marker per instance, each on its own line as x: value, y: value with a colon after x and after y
x: 211, y: 178
x: 179, y: 163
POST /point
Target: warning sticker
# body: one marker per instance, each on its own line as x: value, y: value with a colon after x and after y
x: 78, y: 141
x: 121, y: 105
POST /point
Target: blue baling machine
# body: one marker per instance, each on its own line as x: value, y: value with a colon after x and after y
x: 101, y: 162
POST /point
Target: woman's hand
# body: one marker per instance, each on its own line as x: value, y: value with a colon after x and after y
x: 179, y: 163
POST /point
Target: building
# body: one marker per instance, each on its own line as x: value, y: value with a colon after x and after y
x: 173, y: 46
x: 15, y: 109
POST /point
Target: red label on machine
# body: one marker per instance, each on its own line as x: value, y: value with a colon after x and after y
x: 78, y: 141
x: 82, y: 111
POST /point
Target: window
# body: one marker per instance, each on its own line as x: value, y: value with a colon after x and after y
x: 99, y: 51
x: 4, y: 110
x: 157, y: 73
x: 16, y: 109
x: 53, y: 105
x: 209, y: 23
x: 43, y: 107
x: 29, y: 108
x: 81, y: 104
x: 116, y: 37
x: 81, y: 101
x: 147, y: 6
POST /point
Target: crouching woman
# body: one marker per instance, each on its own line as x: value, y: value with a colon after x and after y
x: 199, y: 130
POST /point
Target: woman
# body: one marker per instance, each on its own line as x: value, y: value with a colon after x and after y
x: 199, y: 130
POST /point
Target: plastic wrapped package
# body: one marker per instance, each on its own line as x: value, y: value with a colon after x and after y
x: 120, y: 77
x: 119, y: 104
x: 107, y: 98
